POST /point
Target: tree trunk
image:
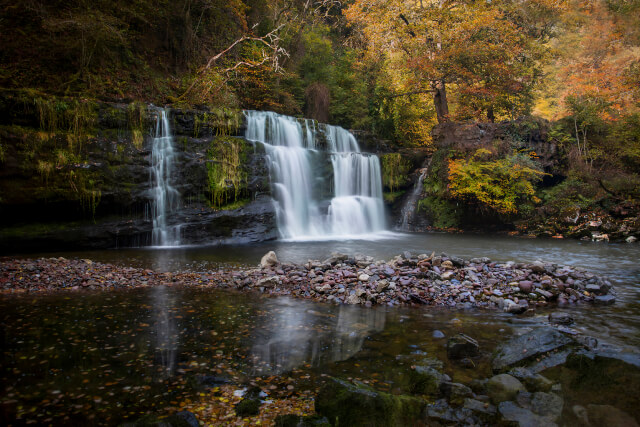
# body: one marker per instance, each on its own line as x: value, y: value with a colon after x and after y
x: 490, y: 114
x: 440, y: 101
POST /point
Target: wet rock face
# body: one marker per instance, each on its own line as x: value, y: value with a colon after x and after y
x: 104, y: 200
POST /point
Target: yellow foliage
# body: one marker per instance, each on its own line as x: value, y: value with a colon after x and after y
x: 502, y: 185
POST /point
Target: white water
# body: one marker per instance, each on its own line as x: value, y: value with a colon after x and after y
x: 409, y: 209
x: 166, y: 199
x: 355, y: 206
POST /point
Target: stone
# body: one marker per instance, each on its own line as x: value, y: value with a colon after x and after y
x: 455, y: 392
x: 520, y: 349
x: 631, y: 239
x: 268, y: 282
x: 526, y: 286
x: 547, y: 405
x: 382, y: 286
x: 511, y: 307
x: 532, y: 380
x: 346, y: 404
x: 353, y: 299
x: 269, y: 260
x: 437, y: 334
x: 447, y: 275
x: 560, y: 318
x: 461, y: 346
x: 439, y: 413
x: 537, y: 267
x: 523, y: 417
x: 335, y: 258
x: 483, y: 410
x: 425, y: 380
x: 248, y: 407
x: 363, y: 277
x: 604, y: 300
x: 503, y: 387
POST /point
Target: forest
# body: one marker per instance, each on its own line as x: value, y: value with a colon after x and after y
x: 392, y: 68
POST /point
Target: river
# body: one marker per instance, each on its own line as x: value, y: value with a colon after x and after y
x: 104, y: 358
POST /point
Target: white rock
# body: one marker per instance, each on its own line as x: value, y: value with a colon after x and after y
x: 269, y: 260
x: 363, y: 277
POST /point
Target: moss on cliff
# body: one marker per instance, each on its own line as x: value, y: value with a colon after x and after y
x: 227, y: 171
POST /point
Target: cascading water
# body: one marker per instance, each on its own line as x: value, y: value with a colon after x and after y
x: 166, y: 199
x: 354, y: 205
x: 409, y: 209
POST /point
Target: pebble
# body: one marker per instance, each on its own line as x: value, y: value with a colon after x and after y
x: 403, y: 280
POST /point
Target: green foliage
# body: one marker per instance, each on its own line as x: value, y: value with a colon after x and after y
x: 442, y: 212
x: 394, y: 171
x: 316, y: 64
x: 505, y: 185
x: 226, y: 171
x: 392, y: 197
x: 223, y: 121
x: 136, y: 113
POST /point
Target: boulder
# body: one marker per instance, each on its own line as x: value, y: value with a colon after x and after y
x: 503, y: 387
x: 520, y: 349
x: 425, y: 380
x: 269, y: 260
x: 359, y: 405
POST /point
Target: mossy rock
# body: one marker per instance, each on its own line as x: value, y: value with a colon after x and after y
x: 425, y: 380
x: 347, y: 404
x: 248, y: 407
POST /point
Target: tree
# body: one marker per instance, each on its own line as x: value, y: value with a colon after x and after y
x: 471, y: 45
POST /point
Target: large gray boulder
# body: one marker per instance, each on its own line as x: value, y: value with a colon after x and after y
x: 520, y: 349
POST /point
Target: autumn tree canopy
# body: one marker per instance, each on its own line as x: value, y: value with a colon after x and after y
x: 487, y: 51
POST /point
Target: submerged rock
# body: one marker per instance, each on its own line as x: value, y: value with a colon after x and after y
x: 347, y: 404
x: 527, y: 346
x: 462, y: 346
x: 503, y: 387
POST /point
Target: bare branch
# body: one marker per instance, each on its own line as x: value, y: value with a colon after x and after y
x: 270, y: 40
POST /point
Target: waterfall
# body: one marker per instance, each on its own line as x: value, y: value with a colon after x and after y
x: 409, y: 209
x: 166, y: 199
x: 296, y: 150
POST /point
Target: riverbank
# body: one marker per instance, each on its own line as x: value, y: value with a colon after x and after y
x: 405, y: 280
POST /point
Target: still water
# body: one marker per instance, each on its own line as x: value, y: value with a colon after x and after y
x: 108, y: 357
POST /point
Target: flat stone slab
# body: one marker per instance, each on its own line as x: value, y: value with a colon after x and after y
x: 518, y: 350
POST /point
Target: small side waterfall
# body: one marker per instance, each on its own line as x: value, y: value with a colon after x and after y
x: 294, y: 149
x: 409, y: 209
x: 166, y: 199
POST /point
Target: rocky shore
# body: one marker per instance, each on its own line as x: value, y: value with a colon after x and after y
x: 407, y: 279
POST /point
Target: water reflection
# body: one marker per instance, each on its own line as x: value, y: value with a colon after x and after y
x: 165, y: 332
x: 292, y: 335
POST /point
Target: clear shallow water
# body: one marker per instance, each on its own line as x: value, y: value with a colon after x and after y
x: 103, y: 357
